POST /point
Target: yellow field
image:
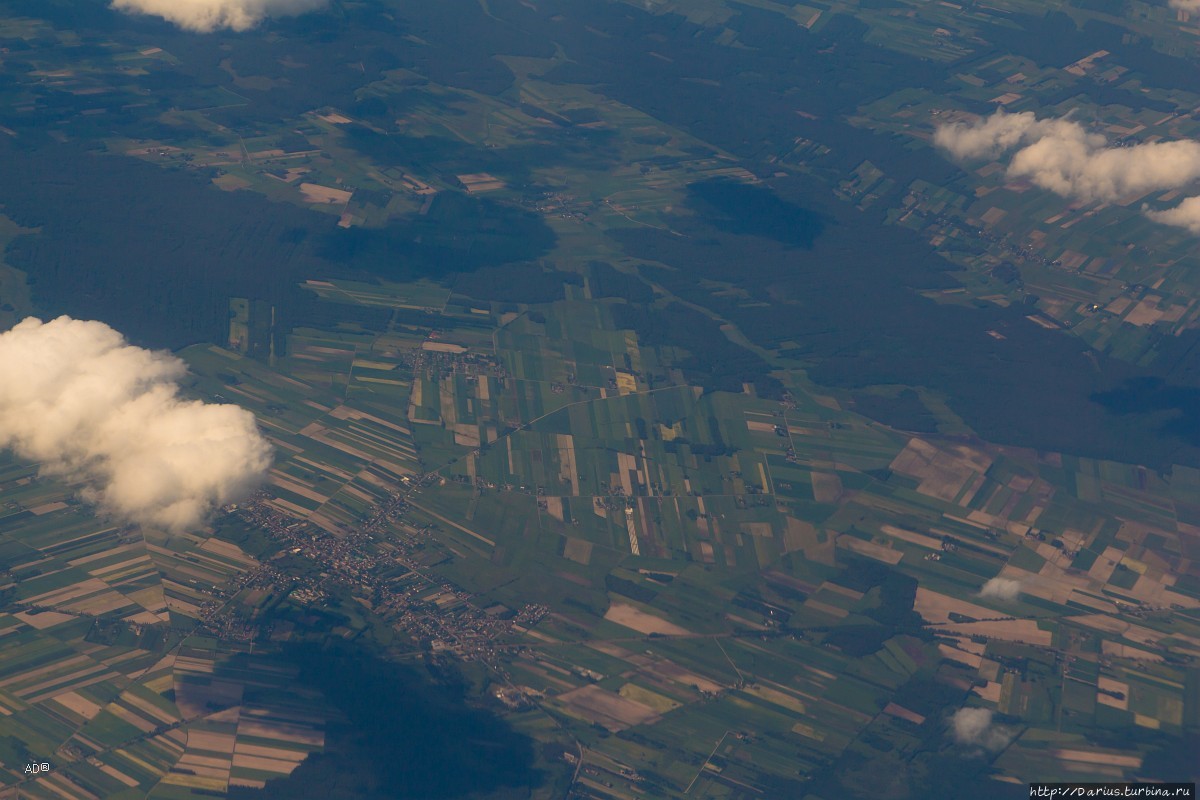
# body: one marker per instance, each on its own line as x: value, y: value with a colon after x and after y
x: 660, y: 703
x: 640, y: 621
x: 326, y: 195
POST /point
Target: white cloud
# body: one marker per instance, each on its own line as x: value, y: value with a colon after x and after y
x: 1081, y: 166
x: 974, y: 726
x: 205, y: 16
x: 1001, y: 589
x: 1066, y: 158
x: 104, y: 414
x: 1184, y: 215
x: 990, y: 137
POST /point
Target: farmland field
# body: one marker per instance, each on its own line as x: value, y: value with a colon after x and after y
x: 655, y: 411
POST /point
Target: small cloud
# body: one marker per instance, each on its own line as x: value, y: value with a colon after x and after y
x: 107, y: 416
x: 974, y: 727
x: 986, y: 138
x: 1185, y: 215
x: 1066, y: 158
x: 206, y: 16
x: 1001, y: 589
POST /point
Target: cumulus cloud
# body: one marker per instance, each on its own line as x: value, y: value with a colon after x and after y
x: 974, y: 727
x: 1001, y: 589
x: 205, y: 16
x: 1066, y: 158
x: 1184, y: 215
x: 1082, y: 166
x: 990, y: 137
x: 106, y: 415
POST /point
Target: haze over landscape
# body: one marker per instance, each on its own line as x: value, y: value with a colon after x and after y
x: 598, y: 399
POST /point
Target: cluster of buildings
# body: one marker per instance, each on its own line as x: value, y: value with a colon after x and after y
x: 378, y: 563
